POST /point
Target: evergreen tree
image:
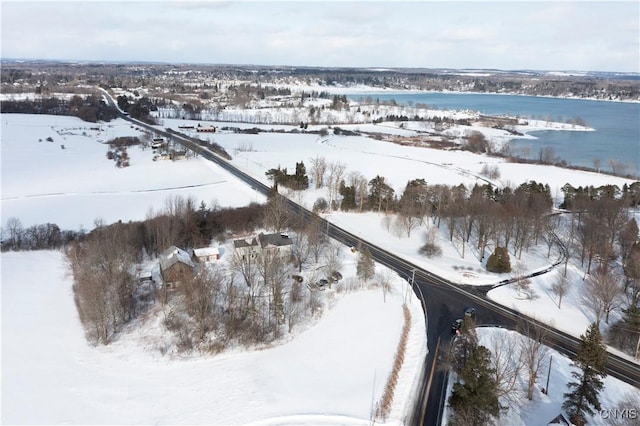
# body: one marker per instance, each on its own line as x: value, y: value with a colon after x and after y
x: 475, y: 392
x: 301, y: 179
x: 499, y: 261
x: 591, y: 359
x: 365, y: 269
x: 348, y: 196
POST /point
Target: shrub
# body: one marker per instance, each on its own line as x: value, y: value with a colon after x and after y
x: 499, y: 261
x: 320, y: 206
x: 430, y: 250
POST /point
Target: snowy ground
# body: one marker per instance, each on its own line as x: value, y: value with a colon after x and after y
x: 72, y: 187
x: 80, y: 185
x: 328, y: 374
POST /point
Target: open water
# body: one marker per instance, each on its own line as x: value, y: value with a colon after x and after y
x: 617, y: 124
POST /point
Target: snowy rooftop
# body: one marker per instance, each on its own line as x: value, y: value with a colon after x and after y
x: 173, y: 255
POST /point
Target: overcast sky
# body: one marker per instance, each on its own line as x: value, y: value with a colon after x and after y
x: 585, y: 35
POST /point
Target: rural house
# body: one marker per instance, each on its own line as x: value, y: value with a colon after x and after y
x: 206, y: 254
x: 263, y: 243
x: 175, y: 264
x: 276, y: 242
x: 246, y: 247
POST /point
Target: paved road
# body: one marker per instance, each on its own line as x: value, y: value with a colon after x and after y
x: 443, y: 302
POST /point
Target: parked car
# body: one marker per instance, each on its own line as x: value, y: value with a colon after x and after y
x: 336, y: 276
x: 322, y: 284
x: 297, y: 278
x: 457, y: 324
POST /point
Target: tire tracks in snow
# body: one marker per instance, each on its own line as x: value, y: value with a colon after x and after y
x: 134, y: 191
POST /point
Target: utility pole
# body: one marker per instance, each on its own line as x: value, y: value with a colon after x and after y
x: 546, y: 389
x: 411, y: 281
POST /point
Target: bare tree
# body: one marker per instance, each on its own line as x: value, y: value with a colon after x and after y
x: 199, y: 295
x: 533, y: 352
x: 294, y: 303
x: 523, y: 283
x: 603, y: 293
x: 507, y: 365
x: 15, y: 231
x: 387, y: 220
x: 546, y: 155
x: 384, y: 279
x: 617, y: 167
x: 276, y: 214
x: 332, y: 259
x: 560, y: 288
x: 361, y: 187
x: 407, y: 222
x: 316, y: 237
x: 273, y: 268
x: 318, y: 169
x: 301, y: 249
x: 336, y: 174
x: 247, y: 266
x: 550, y: 226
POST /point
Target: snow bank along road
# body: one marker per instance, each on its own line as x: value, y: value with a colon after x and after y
x: 443, y: 301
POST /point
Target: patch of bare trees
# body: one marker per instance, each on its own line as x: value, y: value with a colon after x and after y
x: 103, y: 289
x: 318, y: 170
x: 603, y: 293
x: 507, y: 363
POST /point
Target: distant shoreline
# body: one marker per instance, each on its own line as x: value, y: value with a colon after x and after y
x: 375, y: 90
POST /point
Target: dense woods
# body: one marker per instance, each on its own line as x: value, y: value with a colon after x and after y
x: 89, y: 108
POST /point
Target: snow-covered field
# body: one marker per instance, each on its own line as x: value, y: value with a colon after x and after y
x: 398, y: 164
x: 74, y: 186
x: 330, y: 373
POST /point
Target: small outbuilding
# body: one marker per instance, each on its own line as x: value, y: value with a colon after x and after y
x: 206, y: 129
x: 206, y: 254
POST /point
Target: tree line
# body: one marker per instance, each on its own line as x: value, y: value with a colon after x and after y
x: 90, y: 108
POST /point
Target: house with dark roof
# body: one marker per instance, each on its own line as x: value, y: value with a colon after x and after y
x: 263, y: 243
x: 175, y: 265
x: 246, y: 247
x: 277, y: 242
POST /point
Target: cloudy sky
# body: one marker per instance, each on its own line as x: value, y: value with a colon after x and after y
x: 542, y: 35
